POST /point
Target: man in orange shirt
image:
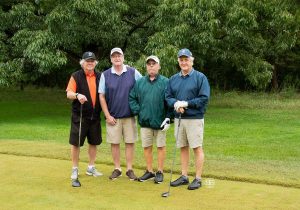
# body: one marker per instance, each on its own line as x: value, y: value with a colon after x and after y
x: 82, y: 89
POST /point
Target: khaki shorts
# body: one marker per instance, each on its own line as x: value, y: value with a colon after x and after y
x: 125, y: 128
x: 190, y: 132
x: 149, y: 135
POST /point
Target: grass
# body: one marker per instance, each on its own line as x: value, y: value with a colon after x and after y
x: 248, y: 137
x: 43, y: 184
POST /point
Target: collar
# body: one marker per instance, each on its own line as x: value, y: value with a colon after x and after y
x: 189, y: 74
x: 113, y: 70
x: 155, y: 78
x: 88, y: 74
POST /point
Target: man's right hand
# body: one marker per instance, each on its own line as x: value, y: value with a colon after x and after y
x: 180, y: 105
x: 81, y: 98
x: 111, y: 120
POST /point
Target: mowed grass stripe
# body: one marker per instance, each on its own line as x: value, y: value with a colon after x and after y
x: 266, y: 172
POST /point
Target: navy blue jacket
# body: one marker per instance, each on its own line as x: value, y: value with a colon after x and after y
x: 193, y: 88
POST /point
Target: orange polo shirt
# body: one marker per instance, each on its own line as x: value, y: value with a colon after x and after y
x: 91, y: 80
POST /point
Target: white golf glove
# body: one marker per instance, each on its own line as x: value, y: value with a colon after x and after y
x: 165, y: 124
x: 180, y: 104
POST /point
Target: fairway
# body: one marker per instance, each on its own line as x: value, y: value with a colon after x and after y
x: 252, y: 155
x: 42, y: 183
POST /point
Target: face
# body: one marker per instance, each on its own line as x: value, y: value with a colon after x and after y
x: 152, y: 68
x: 185, y: 63
x: 89, y: 65
x: 117, y: 59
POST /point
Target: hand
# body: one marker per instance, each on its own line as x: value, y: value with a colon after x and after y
x: 181, y: 110
x: 111, y: 120
x: 180, y: 104
x: 165, y: 124
x: 81, y: 98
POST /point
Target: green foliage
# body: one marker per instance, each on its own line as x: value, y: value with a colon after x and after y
x: 247, y: 36
x: 241, y: 43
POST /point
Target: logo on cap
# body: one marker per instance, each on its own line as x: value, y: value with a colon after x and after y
x: 88, y: 55
x: 184, y: 52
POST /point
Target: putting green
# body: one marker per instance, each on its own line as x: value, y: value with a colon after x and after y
x: 41, y: 183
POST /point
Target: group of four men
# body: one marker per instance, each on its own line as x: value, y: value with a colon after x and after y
x: 125, y: 93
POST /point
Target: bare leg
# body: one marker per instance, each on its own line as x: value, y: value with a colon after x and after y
x: 199, y: 161
x: 185, y: 156
x: 92, y: 154
x: 75, y: 155
x: 129, y: 153
x: 148, y: 157
x: 161, y: 152
x: 115, y: 151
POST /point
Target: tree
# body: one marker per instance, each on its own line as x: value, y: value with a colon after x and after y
x: 42, y: 37
x: 237, y: 43
x: 247, y: 36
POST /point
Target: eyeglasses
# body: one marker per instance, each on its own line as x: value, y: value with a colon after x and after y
x: 151, y: 63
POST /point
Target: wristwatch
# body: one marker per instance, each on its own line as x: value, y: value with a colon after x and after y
x: 76, y: 95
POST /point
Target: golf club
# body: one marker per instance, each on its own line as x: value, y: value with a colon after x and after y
x: 75, y: 182
x: 167, y: 194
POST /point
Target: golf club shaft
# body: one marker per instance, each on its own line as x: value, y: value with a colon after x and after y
x: 80, y: 121
x: 174, y: 157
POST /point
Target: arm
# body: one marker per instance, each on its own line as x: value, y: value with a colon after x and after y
x: 169, y: 97
x: 109, y: 119
x: 203, y: 95
x: 134, y: 100
x: 71, y: 92
x: 137, y: 75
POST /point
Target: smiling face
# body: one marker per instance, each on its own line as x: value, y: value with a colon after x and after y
x: 117, y: 59
x: 89, y: 65
x: 185, y: 63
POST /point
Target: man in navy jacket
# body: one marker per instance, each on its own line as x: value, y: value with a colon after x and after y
x: 188, y: 92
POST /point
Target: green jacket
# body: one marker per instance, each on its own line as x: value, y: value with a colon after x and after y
x: 147, y: 100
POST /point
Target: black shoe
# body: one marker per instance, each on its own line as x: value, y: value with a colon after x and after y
x: 159, y: 177
x: 131, y: 175
x: 147, y: 175
x: 196, y: 183
x: 76, y: 183
x: 183, y: 180
x: 115, y: 174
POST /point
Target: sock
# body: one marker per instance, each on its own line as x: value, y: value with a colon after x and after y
x: 75, y: 167
x: 91, y: 166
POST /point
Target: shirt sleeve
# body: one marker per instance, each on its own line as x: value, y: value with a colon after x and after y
x: 169, y: 96
x: 134, y: 100
x: 203, y: 95
x: 137, y: 75
x: 101, y: 88
x: 72, y: 85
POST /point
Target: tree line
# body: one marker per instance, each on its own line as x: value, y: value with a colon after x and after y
x: 238, y: 44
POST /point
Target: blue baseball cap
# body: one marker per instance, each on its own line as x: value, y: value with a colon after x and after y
x: 184, y: 52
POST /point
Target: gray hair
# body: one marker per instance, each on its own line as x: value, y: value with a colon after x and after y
x: 81, y: 62
x: 191, y: 59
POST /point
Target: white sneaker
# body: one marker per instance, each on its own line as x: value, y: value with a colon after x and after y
x: 74, y: 174
x: 93, y: 172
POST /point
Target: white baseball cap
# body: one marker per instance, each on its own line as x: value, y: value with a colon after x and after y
x: 152, y: 57
x: 116, y: 49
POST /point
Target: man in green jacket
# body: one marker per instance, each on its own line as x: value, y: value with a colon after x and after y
x: 147, y: 101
